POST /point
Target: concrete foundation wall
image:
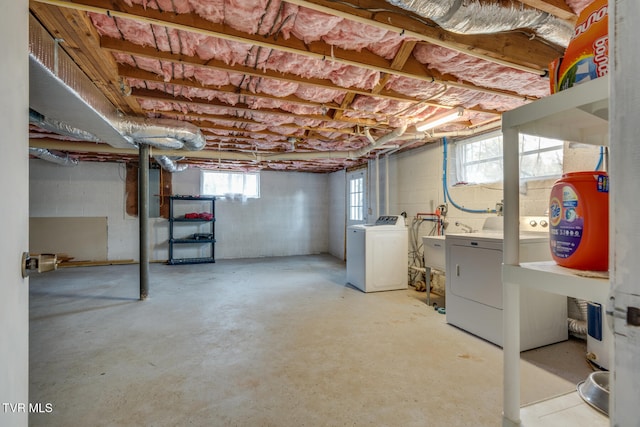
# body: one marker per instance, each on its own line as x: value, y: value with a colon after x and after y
x: 290, y: 218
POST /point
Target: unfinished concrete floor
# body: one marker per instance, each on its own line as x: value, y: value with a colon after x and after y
x: 263, y: 342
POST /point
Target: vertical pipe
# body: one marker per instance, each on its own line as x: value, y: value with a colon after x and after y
x: 143, y: 217
x: 386, y: 184
x: 377, y: 186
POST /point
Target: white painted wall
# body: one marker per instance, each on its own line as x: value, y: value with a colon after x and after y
x: 86, y: 190
x: 14, y: 214
x: 290, y: 218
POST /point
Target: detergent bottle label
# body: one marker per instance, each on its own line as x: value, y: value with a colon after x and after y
x: 567, y: 222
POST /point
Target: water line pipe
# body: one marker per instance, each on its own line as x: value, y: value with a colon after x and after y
x: 603, y: 160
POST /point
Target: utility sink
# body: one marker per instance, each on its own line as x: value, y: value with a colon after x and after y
x: 434, y: 252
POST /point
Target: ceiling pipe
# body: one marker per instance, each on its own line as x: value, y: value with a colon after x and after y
x: 162, y: 133
x: 64, y: 100
x: 61, y: 92
x: 59, y: 127
x: 44, y: 154
x: 250, y: 157
x: 169, y: 164
x: 480, y: 17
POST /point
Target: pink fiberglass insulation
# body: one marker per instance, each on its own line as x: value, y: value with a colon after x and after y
x: 481, y: 72
x: 354, y: 35
x: 310, y: 25
x: 277, y: 87
x: 578, y: 5
x: 369, y: 104
x: 285, y: 130
x: 485, y: 101
x: 318, y: 94
x: 389, y: 45
x: 412, y: 87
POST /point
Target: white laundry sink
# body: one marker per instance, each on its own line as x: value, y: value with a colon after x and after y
x: 434, y: 252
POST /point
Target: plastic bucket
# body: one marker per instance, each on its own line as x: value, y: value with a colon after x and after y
x: 579, y: 221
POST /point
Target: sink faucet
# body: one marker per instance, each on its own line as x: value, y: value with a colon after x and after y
x: 465, y: 227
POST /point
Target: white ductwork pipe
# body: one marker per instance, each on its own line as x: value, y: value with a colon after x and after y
x: 44, y: 154
x: 476, y: 17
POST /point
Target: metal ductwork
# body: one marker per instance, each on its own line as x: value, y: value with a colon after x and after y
x: 59, y: 127
x: 44, y: 154
x: 60, y: 91
x: 162, y: 133
x: 476, y: 17
x: 397, y: 135
x: 168, y: 164
x: 67, y: 102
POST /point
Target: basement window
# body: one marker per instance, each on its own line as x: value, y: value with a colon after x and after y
x: 479, y: 160
x: 231, y: 185
x: 356, y: 198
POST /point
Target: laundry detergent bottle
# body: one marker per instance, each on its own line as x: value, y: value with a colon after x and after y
x: 579, y: 221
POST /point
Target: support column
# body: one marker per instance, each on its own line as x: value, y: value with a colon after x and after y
x: 143, y: 218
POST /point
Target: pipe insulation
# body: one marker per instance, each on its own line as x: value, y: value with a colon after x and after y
x: 476, y: 17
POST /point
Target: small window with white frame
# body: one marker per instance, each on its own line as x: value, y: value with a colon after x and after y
x: 479, y: 160
x: 356, y: 198
x: 234, y: 185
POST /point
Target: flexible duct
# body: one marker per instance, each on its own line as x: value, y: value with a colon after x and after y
x: 59, y: 127
x: 254, y: 157
x: 169, y: 164
x: 162, y: 133
x: 577, y: 327
x: 44, y: 154
x: 69, y: 103
x: 475, y: 17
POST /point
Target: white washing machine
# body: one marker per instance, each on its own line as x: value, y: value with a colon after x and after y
x: 377, y: 255
x: 474, y: 286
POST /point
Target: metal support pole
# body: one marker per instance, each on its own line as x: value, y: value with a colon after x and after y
x: 143, y: 218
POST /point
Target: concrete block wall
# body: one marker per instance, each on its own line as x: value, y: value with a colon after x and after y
x: 290, y: 218
x: 89, y: 189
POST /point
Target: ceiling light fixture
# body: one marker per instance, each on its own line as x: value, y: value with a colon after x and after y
x: 440, y: 119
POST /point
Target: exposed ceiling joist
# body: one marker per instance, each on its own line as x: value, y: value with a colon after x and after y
x: 144, y: 56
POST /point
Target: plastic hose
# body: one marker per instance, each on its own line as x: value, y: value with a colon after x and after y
x: 599, y: 165
x: 445, y: 187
